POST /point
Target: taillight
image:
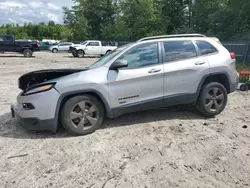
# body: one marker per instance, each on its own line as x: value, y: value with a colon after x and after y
x: 38, y: 45
x: 233, y: 55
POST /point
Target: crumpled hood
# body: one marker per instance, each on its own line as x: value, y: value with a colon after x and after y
x: 42, y: 76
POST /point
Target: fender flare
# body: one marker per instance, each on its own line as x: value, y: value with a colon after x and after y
x: 64, y: 96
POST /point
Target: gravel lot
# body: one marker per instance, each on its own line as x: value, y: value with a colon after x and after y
x: 155, y: 149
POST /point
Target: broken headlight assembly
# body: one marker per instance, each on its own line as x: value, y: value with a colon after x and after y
x: 38, y: 89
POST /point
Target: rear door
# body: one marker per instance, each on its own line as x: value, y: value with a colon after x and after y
x: 184, y: 69
x: 66, y: 46
x: 140, y: 84
x: 8, y: 44
x: 63, y: 47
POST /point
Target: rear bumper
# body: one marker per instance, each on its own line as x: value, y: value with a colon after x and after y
x: 35, y: 49
x: 234, y: 86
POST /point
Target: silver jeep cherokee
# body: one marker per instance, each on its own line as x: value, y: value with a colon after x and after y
x: 152, y: 72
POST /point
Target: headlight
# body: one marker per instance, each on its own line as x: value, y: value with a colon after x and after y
x: 39, y: 89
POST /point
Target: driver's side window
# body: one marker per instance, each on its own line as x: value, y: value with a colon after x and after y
x: 142, y: 55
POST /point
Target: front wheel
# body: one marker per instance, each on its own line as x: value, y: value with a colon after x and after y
x: 27, y: 53
x: 80, y: 53
x: 82, y: 115
x: 212, y: 100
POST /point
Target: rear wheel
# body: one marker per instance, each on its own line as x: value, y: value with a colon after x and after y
x: 212, y: 100
x: 54, y: 50
x: 108, y: 51
x: 82, y: 115
x: 80, y: 53
x: 27, y: 53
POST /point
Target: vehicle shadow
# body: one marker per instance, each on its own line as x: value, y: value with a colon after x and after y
x: 12, y: 128
x: 71, y: 56
x: 15, y: 56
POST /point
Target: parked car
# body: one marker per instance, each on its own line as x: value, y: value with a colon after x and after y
x: 8, y: 44
x: 45, y: 45
x: 150, y: 73
x: 64, y: 46
x: 90, y: 47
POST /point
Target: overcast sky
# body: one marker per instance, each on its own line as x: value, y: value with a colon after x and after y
x: 20, y: 11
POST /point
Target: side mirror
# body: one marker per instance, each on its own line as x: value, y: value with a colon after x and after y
x: 119, y: 64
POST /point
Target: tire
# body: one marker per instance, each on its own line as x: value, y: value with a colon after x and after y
x: 108, y: 51
x: 27, y: 53
x: 75, y: 54
x: 72, y: 115
x: 243, y: 87
x: 80, y: 53
x: 212, y: 100
x: 54, y: 50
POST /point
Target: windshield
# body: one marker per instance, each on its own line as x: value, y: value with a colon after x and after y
x: 83, y: 43
x: 106, y: 58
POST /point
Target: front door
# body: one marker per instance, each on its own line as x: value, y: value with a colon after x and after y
x: 184, y: 70
x: 140, y: 85
x: 93, y: 48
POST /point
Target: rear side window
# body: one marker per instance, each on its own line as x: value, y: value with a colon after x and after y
x: 93, y: 44
x: 8, y: 38
x: 205, y: 47
x: 1, y: 38
x: 179, y: 50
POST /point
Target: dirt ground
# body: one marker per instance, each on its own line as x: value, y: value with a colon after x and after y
x: 161, y: 148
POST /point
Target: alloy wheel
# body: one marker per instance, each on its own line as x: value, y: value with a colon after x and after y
x: 214, y: 99
x: 84, y: 115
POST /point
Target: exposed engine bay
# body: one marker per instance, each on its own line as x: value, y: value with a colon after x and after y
x: 37, y: 77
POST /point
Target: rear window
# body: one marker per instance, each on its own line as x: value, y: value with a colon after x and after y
x: 179, y: 50
x: 93, y: 44
x: 9, y: 38
x: 205, y: 48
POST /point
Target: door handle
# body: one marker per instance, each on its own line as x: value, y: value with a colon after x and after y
x: 200, y: 63
x: 154, y: 70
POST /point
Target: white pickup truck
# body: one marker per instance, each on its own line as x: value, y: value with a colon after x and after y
x: 90, y: 48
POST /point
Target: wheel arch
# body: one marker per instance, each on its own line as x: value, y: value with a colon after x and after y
x: 64, y: 97
x: 220, y: 77
x: 27, y: 47
x: 108, y: 51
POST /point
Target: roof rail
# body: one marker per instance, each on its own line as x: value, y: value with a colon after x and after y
x: 171, y: 36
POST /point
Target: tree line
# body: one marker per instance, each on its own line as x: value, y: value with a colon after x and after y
x: 133, y: 19
x: 51, y: 30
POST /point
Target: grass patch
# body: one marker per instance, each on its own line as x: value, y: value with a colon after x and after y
x: 242, y: 67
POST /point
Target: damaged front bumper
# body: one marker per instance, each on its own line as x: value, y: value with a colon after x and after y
x: 72, y: 50
x: 37, y: 112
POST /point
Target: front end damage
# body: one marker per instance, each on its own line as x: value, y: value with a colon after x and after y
x: 37, y: 77
x: 36, y: 110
